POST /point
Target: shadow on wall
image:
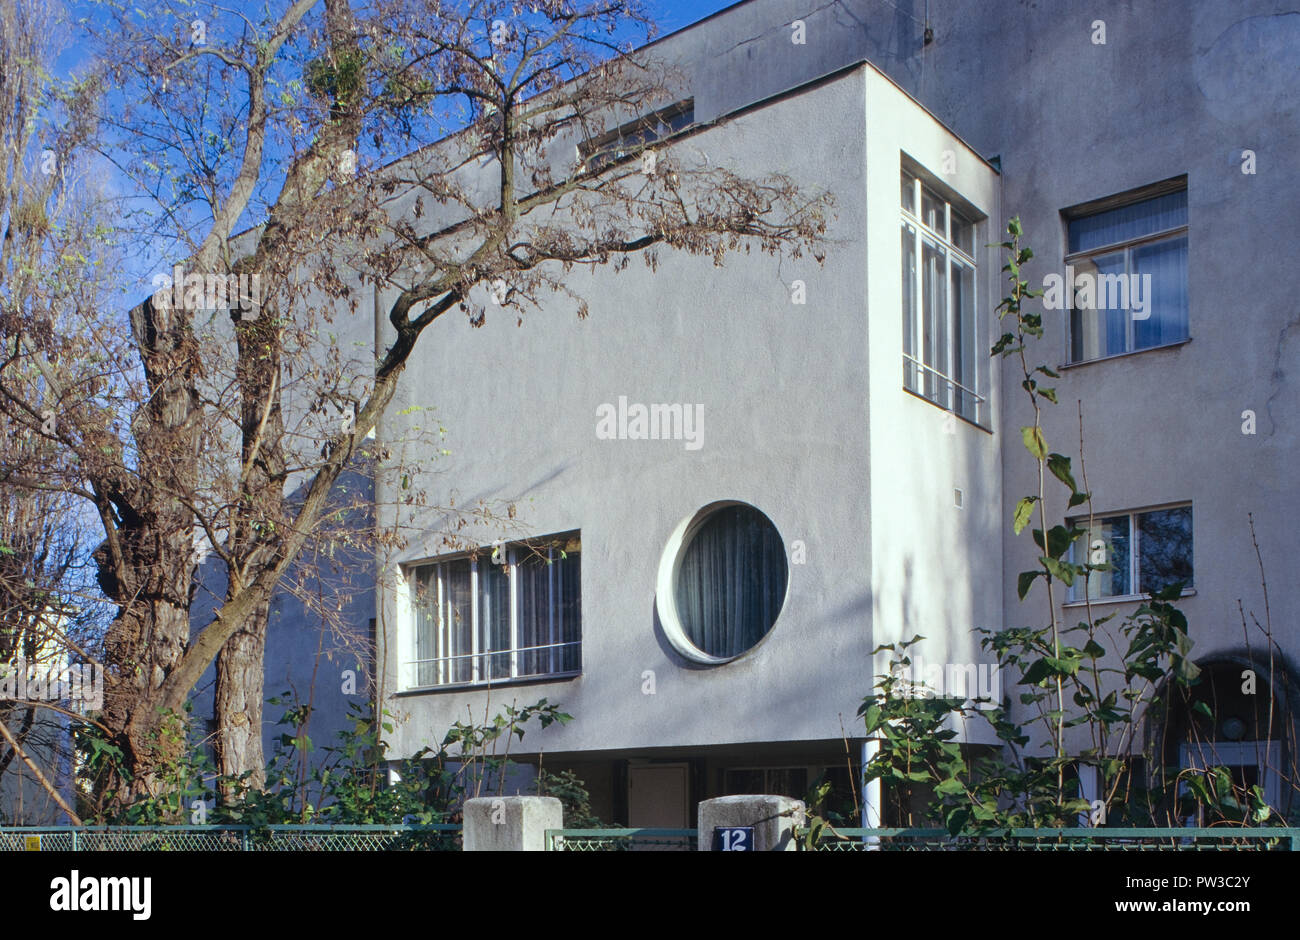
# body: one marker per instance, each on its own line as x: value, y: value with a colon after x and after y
x: 320, y: 644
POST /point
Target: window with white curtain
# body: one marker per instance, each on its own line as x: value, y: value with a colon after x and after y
x: 1145, y: 243
x: 731, y: 581
x: 510, y: 612
x: 939, y: 321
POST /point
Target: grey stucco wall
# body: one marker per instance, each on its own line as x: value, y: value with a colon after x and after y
x: 1177, y: 88
x: 804, y: 416
x: 783, y: 389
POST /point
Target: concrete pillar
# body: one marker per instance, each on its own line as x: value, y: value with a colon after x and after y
x: 872, y: 794
x: 872, y: 797
x: 773, y: 819
x: 510, y: 823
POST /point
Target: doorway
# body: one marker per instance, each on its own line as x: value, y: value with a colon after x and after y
x: 658, y: 796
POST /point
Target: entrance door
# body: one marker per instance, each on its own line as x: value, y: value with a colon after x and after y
x: 658, y: 796
x: 1250, y: 763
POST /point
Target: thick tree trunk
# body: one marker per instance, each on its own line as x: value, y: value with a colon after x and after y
x: 240, y: 670
x: 147, y: 564
x: 239, y: 698
x: 145, y: 645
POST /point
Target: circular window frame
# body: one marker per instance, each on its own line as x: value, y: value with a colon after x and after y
x: 670, y: 565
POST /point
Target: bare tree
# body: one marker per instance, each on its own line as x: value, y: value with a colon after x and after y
x: 48, y: 620
x: 303, y: 128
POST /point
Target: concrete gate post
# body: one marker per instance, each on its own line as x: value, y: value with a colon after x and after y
x: 773, y: 819
x: 510, y: 823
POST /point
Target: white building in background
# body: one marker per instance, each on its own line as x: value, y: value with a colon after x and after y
x: 40, y: 693
x: 737, y: 482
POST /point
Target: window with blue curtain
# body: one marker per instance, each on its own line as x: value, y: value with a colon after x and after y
x: 1145, y: 243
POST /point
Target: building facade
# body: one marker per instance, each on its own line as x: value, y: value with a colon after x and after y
x: 729, y: 485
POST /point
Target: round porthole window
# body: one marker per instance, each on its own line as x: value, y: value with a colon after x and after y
x: 722, y: 582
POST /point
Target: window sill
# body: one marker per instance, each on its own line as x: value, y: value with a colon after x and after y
x: 987, y: 429
x: 494, y: 684
x: 1125, y: 355
x: 1124, y: 599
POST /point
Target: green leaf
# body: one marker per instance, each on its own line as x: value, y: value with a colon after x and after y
x: 1036, y: 673
x: 1065, y: 666
x: 957, y: 820
x: 1060, y: 570
x: 1034, y: 441
x: 1060, y: 538
x: 872, y: 718
x: 950, y: 787
x: 1059, y: 465
x: 1024, y: 509
x: 1001, y: 345
x: 1025, y: 581
x: 1169, y: 592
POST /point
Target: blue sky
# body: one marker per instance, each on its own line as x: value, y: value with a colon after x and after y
x: 74, y: 58
x: 674, y: 14
x: 671, y: 15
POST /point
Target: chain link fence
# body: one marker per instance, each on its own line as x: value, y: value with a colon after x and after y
x: 447, y: 837
x: 620, y: 840
x: 1056, y: 840
x: 221, y: 838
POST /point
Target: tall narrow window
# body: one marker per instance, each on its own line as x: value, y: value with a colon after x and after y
x: 1127, y: 276
x: 550, y: 608
x: 939, y: 308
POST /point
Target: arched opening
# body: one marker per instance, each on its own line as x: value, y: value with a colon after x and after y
x: 1236, y: 719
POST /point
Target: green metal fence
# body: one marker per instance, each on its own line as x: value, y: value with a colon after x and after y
x: 229, y: 838
x: 447, y: 837
x: 1224, y: 839
x: 938, y: 840
x: 620, y: 840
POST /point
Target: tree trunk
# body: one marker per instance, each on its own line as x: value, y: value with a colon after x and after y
x: 147, y: 563
x: 146, y: 644
x: 239, y: 697
x: 240, y: 671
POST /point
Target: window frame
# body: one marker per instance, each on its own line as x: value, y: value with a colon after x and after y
x: 607, y: 149
x: 667, y: 580
x: 1265, y: 756
x: 1073, y: 599
x: 914, y: 364
x: 1100, y: 207
x: 768, y: 771
x: 515, y: 553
